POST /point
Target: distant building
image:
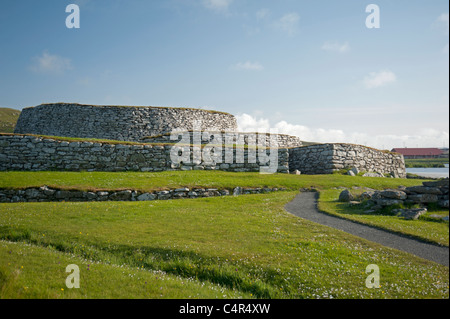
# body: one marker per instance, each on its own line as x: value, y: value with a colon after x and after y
x: 409, y: 153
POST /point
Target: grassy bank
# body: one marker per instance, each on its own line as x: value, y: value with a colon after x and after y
x: 225, y: 247
x: 246, y: 246
x: 8, y: 119
x: 174, y: 179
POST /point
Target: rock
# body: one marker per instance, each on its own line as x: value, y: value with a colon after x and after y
x: 443, y: 203
x: 47, y: 191
x: 237, y: 191
x: 91, y: 196
x: 367, y: 195
x: 102, y: 195
x: 146, y: 197
x: 410, y: 214
x: 389, y: 202
x: 393, y: 194
x: 297, y: 172
x: 346, y: 196
x: 193, y: 194
x: 121, y: 196
x: 33, y: 193
x: 440, y: 183
x: 163, y: 195
x: 423, y: 190
x: 372, y: 174
x: 423, y: 198
x: 351, y: 173
x: 354, y: 170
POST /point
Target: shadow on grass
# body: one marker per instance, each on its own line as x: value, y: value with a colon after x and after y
x: 261, y: 282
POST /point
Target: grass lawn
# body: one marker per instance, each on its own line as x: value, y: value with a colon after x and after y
x: 425, y: 228
x: 222, y: 247
x: 174, y: 179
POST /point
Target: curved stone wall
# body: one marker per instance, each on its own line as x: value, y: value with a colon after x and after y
x: 122, y: 123
x: 244, y: 138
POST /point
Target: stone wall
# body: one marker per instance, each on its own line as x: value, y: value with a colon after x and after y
x: 31, y: 153
x: 47, y: 194
x: 115, y: 122
x: 225, y: 138
x: 328, y: 158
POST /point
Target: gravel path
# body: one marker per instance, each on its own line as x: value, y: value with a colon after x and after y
x: 304, y: 205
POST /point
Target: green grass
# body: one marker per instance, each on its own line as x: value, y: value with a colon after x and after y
x: 426, y: 162
x: 227, y: 247
x: 425, y: 228
x: 174, y: 179
x: 246, y: 246
x: 8, y: 119
x: 32, y: 271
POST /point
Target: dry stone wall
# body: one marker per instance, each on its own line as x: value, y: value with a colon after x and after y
x: 328, y: 158
x: 226, y: 138
x: 48, y: 194
x: 115, y: 122
x: 32, y: 153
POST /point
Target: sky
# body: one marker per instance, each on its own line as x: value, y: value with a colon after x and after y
x: 313, y: 69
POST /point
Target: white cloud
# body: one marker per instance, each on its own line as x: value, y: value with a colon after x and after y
x: 217, y: 5
x: 377, y: 79
x: 262, y: 13
x: 336, y: 47
x: 423, y: 138
x: 288, y: 23
x: 251, y: 66
x: 51, y: 64
x: 248, y: 123
x: 442, y: 21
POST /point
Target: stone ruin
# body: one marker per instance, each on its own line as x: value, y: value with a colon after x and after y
x: 123, y: 138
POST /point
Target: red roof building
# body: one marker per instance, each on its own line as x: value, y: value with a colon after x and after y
x: 419, y: 152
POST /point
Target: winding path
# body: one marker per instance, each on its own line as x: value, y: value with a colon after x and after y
x: 304, y: 205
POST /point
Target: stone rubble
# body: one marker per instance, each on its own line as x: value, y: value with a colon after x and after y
x: 46, y: 194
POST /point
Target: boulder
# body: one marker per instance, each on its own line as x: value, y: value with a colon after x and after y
x: 393, y: 194
x: 121, y: 196
x: 423, y: 198
x: 423, y: 190
x: 410, y: 214
x: 346, y: 196
x: 146, y: 197
x: 371, y: 174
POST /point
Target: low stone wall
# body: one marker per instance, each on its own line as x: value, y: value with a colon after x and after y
x: 46, y: 194
x: 31, y: 153
x: 226, y: 138
x: 328, y: 158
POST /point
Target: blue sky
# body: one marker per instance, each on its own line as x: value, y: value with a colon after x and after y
x: 307, y: 68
